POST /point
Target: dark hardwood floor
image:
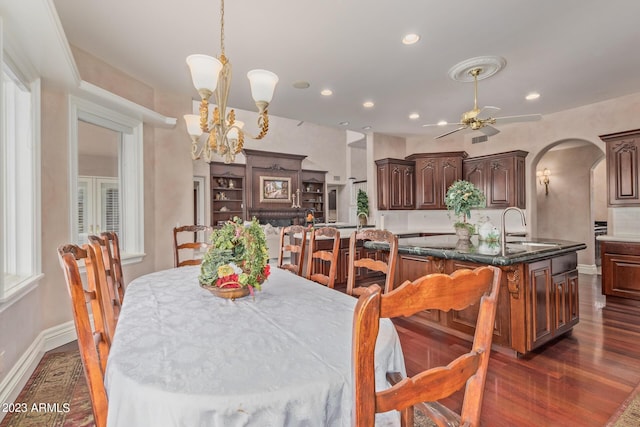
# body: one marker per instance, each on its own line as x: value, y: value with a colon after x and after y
x: 577, y: 380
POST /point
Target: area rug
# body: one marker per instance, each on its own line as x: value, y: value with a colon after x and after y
x: 628, y: 414
x: 56, y: 395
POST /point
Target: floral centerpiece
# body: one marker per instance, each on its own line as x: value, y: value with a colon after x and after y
x: 237, y: 258
x: 461, y: 197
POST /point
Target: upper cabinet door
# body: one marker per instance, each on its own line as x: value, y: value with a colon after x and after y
x: 434, y: 174
x: 500, y: 176
x: 623, y: 166
x: 395, y: 184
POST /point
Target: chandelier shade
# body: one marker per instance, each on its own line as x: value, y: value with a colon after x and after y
x: 193, y: 124
x: 212, y: 77
x: 204, y: 71
x: 263, y: 84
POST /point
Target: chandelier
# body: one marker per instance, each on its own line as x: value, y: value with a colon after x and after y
x: 212, y: 76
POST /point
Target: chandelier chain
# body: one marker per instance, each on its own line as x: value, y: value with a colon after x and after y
x: 222, y: 27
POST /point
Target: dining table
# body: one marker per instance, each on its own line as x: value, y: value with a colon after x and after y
x: 182, y: 356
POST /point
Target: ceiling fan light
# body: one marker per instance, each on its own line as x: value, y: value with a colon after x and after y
x: 204, y: 71
x: 263, y: 84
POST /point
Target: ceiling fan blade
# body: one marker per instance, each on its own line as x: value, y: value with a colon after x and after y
x: 436, y: 124
x: 450, y: 132
x: 488, y: 107
x: 489, y: 130
x: 523, y: 118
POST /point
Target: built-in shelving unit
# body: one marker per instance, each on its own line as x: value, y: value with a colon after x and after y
x: 227, y: 192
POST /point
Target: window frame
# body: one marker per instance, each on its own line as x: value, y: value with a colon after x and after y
x: 130, y: 172
x: 24, y: 247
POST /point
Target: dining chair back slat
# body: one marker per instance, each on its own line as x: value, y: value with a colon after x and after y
x: 110, y: 300
x: 192, y: 244
x: 385, y: 266
x: 113, y: 245
x: 422, y: 391
x: 316, y: 264
x: 296, y: 252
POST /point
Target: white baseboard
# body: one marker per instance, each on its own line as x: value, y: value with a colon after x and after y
x: 19, y: 374
x: 587, y: 269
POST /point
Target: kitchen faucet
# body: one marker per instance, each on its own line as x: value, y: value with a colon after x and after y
x: 503, y: 234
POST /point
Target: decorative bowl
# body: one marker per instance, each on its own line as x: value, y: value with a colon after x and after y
x: 229, y: 293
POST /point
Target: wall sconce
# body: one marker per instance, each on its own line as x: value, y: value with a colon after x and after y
x: 543, y: 178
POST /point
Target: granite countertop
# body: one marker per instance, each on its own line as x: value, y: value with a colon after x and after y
x: 610, y: 238
x: 519, y: 250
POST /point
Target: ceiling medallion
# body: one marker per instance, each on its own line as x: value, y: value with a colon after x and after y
x: 489, y: 65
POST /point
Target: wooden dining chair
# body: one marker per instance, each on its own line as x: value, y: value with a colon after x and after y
x: 296, y: 252
x: 111, y: 304
x: 318, y: 258
x: 116, y: 262
x: 442, y: 292
x: 93, y: 341
x: 192, y: 244
x: 104, y: 247
x: 388, y: 266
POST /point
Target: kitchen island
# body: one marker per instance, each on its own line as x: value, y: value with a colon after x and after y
x: 538, y: 300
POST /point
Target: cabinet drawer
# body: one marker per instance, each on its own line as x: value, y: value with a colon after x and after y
x: 564, y: 263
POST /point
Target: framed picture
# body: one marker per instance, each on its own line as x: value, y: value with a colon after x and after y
x: 275, y: 189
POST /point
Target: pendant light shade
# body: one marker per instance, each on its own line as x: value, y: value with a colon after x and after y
x: 263, y: 84
x: 204, y: 71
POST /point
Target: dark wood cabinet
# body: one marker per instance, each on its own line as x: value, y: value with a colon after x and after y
x: 500, y: 176
x: 434, y: 173
x: 621, y: 274
x: 227, y: 192
x: 623, y: 168
x: 552, y: 295
x: 313, y: 195
x: 395, y: 184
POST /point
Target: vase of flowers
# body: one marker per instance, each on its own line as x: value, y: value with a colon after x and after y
x: 236, y: 264
x: 461, y: 197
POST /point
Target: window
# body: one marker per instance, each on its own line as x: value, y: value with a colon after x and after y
x: 20, y: 190
x: 114, y: 202
x: 98, y: 206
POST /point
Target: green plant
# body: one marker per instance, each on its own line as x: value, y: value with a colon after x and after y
x: 461, y: 197
x: 237, y: 257
x: 363, y: 202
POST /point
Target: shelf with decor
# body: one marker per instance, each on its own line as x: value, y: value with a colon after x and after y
x: 227, y: 192
x: 312, y: 193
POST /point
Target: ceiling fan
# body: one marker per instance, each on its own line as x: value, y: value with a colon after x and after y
x: 471, y: 119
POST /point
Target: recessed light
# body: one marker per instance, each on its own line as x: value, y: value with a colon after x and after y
x: 326, y: 92
x: 442, y: 123
x: 301, y: 84
x: 414, y: 116
x: 344, y: 123
x: 532, y: 96
x: 368, y: 104
x: 410, y: 38
x: 366, y: 128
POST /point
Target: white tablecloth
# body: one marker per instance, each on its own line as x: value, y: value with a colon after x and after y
x: 184, y: 357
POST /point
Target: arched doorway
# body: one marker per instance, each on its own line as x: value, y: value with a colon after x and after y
x: 576, y: 196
